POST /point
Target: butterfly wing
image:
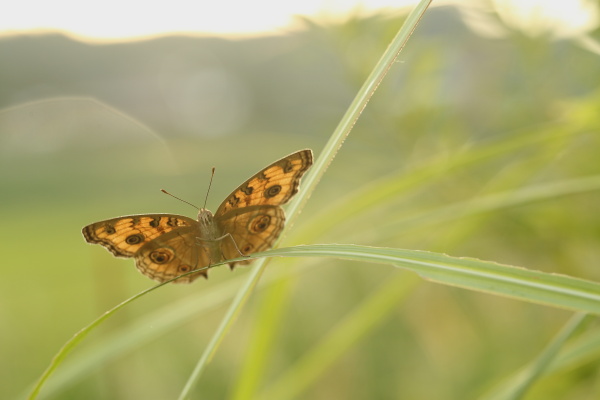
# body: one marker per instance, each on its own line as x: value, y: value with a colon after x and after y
x: 274, y: 185
x: 252, y: 229
x: 165, y: 246
x: 173, y: 254
x: 250, y: 217
x: 124, y: 236
x: 153, y: 240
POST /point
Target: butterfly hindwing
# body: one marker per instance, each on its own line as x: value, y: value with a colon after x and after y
x: 173, y: 254
x: 253, y: 229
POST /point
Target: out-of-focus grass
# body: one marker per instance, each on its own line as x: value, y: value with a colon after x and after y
x: 462, y: 120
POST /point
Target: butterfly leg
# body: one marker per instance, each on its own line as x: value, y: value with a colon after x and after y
x: 201, y: 242
x: 227, y: 235
x: 232, y: 265
x: 234, y: 244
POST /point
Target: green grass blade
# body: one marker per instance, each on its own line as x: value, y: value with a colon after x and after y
x: 273, y: 303
x: 312, y: 178
x: 389, y: 188
x: 516, y: 387
x: 485, y: 276
x: 359, y: 103
x: 119, y: 343
x: 583, y: 350
x: 250, y: 375
x: 494, y: 202
x: 365, y: 318
x: 489, y: 203
x: 79, y: 336
x: 235, y: 308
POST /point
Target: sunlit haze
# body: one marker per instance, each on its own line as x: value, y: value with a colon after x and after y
x: 111, y: 20
x: 130, y: 19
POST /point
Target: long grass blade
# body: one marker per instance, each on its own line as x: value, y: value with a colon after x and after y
x: 494, y: 202
x: 485, y: 276
x: 79, y: 336
x: 517, y: 386
x: 364, y: 319
x: 390, y: 187
x: 312, y: 178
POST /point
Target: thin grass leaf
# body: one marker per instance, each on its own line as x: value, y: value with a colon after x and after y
x: 391, y: 187
x: 517, y: 386
x: 356, y: 325
x: 274, y: 304
x: 312, y: 178
x: 79, y: 336
x: 534, y: 286
x: 478, y: 205
x: 495, y: 202
x: 585, y: 349
x: 484, y: 276
x: 135, y: 338
x: 137, y: 334
x: 119, y: 343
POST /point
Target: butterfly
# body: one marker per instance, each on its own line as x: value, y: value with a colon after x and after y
x: 250, y: 219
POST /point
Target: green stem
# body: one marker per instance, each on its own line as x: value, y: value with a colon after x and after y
x: 312, y: 178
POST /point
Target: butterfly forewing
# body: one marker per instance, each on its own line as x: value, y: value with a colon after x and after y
x: 274, y: 185
x: 124, y: 236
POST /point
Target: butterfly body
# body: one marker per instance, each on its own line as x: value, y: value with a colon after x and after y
x: 250, y: 219
x: 209, y: 234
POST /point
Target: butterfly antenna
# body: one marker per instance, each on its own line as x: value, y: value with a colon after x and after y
x: 186, y: 202
x: 209, y: 185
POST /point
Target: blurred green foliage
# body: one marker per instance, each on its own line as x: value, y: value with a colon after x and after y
x: 89, y: 132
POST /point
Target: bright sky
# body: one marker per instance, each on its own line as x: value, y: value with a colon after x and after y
x: 108, y: 20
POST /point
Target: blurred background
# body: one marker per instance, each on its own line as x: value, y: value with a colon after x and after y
x: 102, y: 106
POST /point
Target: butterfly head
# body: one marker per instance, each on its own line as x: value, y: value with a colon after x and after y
x: 205, y: 218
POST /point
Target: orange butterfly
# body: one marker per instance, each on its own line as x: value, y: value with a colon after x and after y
x: 248, y: 221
